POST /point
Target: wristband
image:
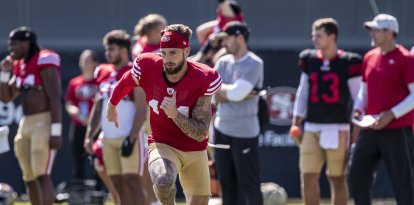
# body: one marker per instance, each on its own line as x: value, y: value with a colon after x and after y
x: 56, y: 129
x: 4, y: 77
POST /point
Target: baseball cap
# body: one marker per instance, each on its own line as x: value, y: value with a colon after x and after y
x: 235, y: 7
x: 235, y: 28
x: 383, y: 21
x: 23, y: 33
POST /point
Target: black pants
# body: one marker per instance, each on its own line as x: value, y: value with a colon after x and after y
x: 238, y: 170
x: 395, y: 147
x: 77, y: 136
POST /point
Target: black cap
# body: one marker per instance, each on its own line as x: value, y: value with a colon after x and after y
x: 235, y: 7
x: 23, y: 34
x: 235, y: 28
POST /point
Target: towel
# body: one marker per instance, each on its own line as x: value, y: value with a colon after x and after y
x: 329, y: 138
x: 4, y: 139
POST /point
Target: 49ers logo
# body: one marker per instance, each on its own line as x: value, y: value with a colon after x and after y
x: 170, y: 91
x: 165, y: 39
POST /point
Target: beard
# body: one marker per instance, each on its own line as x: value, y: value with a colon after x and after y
x: 114, y: 60
x: 174, y: 70
x: 233, y: 49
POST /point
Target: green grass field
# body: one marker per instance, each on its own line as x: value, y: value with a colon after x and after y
x: 182, y: 203
x: 292, y: 202
x: 109, y: 203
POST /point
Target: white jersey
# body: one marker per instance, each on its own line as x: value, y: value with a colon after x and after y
x: 126, y: 108
x: 126, y: 113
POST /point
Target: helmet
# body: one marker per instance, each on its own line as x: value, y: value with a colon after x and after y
x: 7, y: 194
x: 273, y: 194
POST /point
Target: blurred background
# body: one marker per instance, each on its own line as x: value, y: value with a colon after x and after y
x: 280, y: 29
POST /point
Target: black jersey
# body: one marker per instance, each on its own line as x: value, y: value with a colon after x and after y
x: 329, y: 98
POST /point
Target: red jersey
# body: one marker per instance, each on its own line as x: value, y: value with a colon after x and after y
x: 81, y: 93
x: 28, y: 75
x: 200, y: 80
x: 387, y: 78
x: 142, y: 46
x: 103, y: 72
x: 108, y: 76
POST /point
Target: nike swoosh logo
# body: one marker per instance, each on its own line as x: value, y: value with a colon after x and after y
x: 245, y: 151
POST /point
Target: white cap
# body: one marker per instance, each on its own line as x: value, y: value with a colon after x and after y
x: 383, y: 21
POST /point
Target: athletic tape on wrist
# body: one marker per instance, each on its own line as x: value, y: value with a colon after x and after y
x: 4, y: 77
x: 56, y: 129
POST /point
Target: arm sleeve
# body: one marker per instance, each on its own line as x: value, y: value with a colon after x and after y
x: 239, y: 90
x: 252, y: 77
x: 405, y: 105
x: 354, y: 84
x: 301, y: 103
x: 123, y: 87
x: 361, y: 100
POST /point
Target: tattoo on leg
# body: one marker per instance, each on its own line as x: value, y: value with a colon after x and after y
x: 163, y: 175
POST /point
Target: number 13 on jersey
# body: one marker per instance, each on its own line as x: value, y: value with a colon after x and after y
x: 329, y: 96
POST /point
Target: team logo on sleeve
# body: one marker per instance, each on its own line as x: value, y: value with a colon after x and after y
x: 170, y: 91
x: 165, y: 39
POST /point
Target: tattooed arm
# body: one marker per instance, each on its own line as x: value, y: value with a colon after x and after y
x: 195, y: 127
